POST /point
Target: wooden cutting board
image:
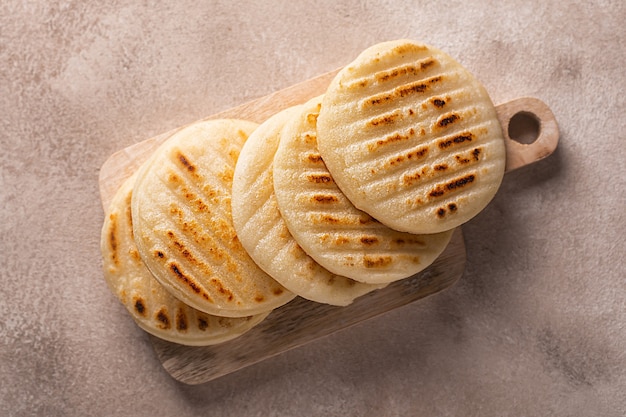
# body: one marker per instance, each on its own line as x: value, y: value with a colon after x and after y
x: 301, y: 321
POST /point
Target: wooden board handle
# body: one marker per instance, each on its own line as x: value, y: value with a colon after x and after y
x: 537, y: 113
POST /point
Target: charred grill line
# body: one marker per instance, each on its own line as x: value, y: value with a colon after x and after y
x: 410, y: 69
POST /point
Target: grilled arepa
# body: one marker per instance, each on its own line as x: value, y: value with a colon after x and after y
x: 153, y: 308
x: 411, y: 137
x: 183, y: 226
x: 263, y: 232
x: 341, y: 238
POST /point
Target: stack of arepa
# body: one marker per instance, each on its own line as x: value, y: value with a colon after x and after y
x: 327, y: 200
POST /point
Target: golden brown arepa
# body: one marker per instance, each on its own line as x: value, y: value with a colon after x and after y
x: 411, y: 137
x: 182, y: 223
x: 153, y: 308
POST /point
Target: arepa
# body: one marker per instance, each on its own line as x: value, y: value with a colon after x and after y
x: 181, y: 208
x: 411, y: 137
x: 154, y: 309
x: 263, y: 232
x: 341, y: 238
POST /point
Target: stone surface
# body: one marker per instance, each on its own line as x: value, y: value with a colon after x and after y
x: 535, y: 326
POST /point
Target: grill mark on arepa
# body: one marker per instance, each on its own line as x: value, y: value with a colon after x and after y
x: 336, y: 219
x: 189, y: 198
x: 466, y: 137
x: 369, y: 240
x: 461, y: 117
x: 312, y: 158
x: 394, y: 73
x: 139, y: 305
x: 411, y: 68
x: 438, y: 102
x: 406, y: 48
x: 278, y: 290
x: 410, y: 156
x: 224, y: 322
x: 308, y: 138
x: 188, y: 281
x: 402, y: 91
x: 189, y: 226
x: 434, y: 171
x: 320, y: 178
x: 385, y: 119
x: 129, y: 214
x: 429, y: 176
x: 163, y: 319
x: 397, y: 54
x: 330, y: 199
x: 182, y: 322
x: 353, y: 246
x: 113, y: 240
x: 448, y: 119
x: 184, y: 161
x: 455, y: 140
x: 398, y: 241
x: 219, y: 286
x: 413, y: 94
x: 392, y: 138
x: 471, y: 157
x: 175, y: 243
x: 202, y: 322
x: 446, y: 209
x: 373, y: 64
x: 419, y: 197
x: 215, y: 180
x: 324, y: 199
x: 353, y: 238
x: 193, y: 193
x: 377, y: 261
x: 452, y: 186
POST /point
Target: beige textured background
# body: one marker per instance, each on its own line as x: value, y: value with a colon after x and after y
x: 535, y: 326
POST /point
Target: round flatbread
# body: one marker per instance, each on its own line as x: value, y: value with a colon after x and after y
x: 150, y: 305
x: 183, y: 226
x: 341, y: 238
x: 263, y: 232
x: 411, y: 137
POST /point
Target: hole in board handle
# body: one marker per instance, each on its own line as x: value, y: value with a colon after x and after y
x: 524, y: 127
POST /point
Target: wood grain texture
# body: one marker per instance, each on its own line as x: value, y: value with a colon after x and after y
x: 520, y: 154
x: 301, y: 321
